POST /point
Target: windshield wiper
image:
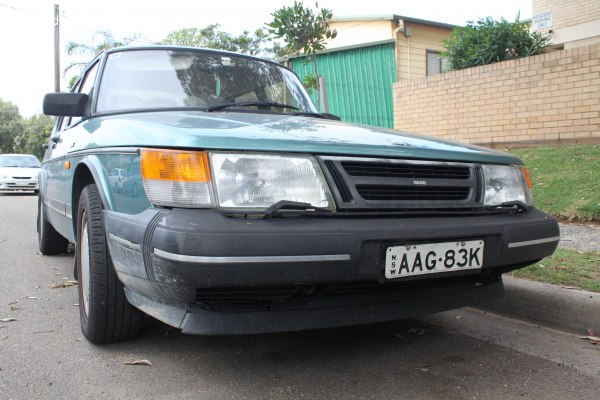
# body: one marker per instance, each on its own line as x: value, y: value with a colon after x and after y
x: 249, y: 104
x: 292, y: 206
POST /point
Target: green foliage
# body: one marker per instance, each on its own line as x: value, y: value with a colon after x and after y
x: 11, y: 124
x: 36, y: 132
x: 310, y: 83
x: 303, y: 30
x: 488, y: 41
x: 19, y: 135
x: 211, y: 37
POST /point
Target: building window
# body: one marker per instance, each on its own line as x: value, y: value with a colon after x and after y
x: 435, y: 64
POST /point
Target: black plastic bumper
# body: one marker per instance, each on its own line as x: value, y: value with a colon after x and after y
x: 171, y: 260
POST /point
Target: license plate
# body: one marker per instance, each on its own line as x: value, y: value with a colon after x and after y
x: 421, y: 259
x: 22, y: 183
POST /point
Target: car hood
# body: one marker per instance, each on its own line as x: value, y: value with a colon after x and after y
x: 279, y: 133
x: 19, y: 172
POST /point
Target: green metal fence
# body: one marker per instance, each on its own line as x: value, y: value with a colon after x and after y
x: 359, y: 82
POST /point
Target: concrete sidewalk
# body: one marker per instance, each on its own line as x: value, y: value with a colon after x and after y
x: 554, y: 306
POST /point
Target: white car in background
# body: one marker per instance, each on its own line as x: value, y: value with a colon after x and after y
x: 117, y: 178
x: 19, y: 172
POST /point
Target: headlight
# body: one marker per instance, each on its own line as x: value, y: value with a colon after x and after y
x: 257, y: 181
x: 506, y: 183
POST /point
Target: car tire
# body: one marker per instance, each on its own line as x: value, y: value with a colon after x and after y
x: 105, y: 314
x: 50, y: 242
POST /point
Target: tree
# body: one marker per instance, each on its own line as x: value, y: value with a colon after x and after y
x: 488, y: 41
x: 211, y: 37
x: 303, y: 30
x: 86, y: 51
x: 36, y: 131
x: 11, y: 124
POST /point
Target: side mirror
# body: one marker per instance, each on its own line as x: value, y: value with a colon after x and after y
x: 65, y: 104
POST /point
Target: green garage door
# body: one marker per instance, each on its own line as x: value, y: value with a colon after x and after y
x: 359, y: 82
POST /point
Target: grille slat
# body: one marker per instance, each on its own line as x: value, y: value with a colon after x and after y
x: 393, y: 170
x: 411, y: 193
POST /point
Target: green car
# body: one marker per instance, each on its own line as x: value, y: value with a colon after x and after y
x: 239, y: 208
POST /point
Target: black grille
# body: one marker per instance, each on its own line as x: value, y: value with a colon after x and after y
x: 412, y: 193
x: 344, y: 190
x: 392, y: 170
x: 363, y: 184
x: 244, y: 298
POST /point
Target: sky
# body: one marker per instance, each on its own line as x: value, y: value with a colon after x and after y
x: 27, y: 28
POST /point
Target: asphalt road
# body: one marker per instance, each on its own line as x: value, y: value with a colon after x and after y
x: 462, y: 354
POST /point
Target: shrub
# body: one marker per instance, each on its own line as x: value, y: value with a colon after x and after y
x: 488, y: 41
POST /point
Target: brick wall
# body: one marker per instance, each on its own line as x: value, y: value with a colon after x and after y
x: 554, y: 96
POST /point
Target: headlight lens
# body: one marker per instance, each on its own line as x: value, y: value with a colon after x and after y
x: 257, y: 181
x: 506, y: 183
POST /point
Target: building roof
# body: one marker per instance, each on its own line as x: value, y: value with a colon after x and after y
x: 395, y: 17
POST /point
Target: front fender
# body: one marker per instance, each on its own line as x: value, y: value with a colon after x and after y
x: 90, y: 170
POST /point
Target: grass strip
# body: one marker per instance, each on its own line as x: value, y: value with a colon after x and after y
x: 566, y: 180
x: 566, y: 267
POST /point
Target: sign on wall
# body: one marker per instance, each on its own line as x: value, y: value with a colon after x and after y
x: 542, y: 20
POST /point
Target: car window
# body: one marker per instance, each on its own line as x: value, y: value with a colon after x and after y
x: 85, y: 86
x: 177, y: 79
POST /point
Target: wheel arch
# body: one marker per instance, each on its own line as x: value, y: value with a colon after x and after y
x: 89, y: 171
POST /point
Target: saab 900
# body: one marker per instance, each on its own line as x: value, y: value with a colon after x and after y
x: 243, y: 209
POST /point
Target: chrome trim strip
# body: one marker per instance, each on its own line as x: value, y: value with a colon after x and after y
x: 126, y: 243
x: 533, y: 242
x: 251, y: 259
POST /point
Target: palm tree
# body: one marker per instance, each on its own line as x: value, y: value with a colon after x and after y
x: 101, y: 40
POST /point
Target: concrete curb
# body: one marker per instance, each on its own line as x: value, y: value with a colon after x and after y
x: 554, y: 306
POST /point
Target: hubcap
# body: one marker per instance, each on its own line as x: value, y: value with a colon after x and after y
x: 84, y: 260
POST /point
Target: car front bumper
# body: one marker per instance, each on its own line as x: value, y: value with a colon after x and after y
x: 211, y: 274
x: 14, y: 185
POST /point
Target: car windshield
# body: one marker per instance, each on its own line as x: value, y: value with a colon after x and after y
x: 19, y: 161
x: 166, y: 78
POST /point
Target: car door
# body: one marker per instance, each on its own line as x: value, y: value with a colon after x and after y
x: 58, y: 162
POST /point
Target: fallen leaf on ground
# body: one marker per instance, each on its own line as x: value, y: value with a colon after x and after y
x: 138, y: 362
x: 7, y: 319
x: 13, y: 308
x: 592, y: 339
x: 399, y: 336
x: 590, y: 336
x: 63, y: 285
